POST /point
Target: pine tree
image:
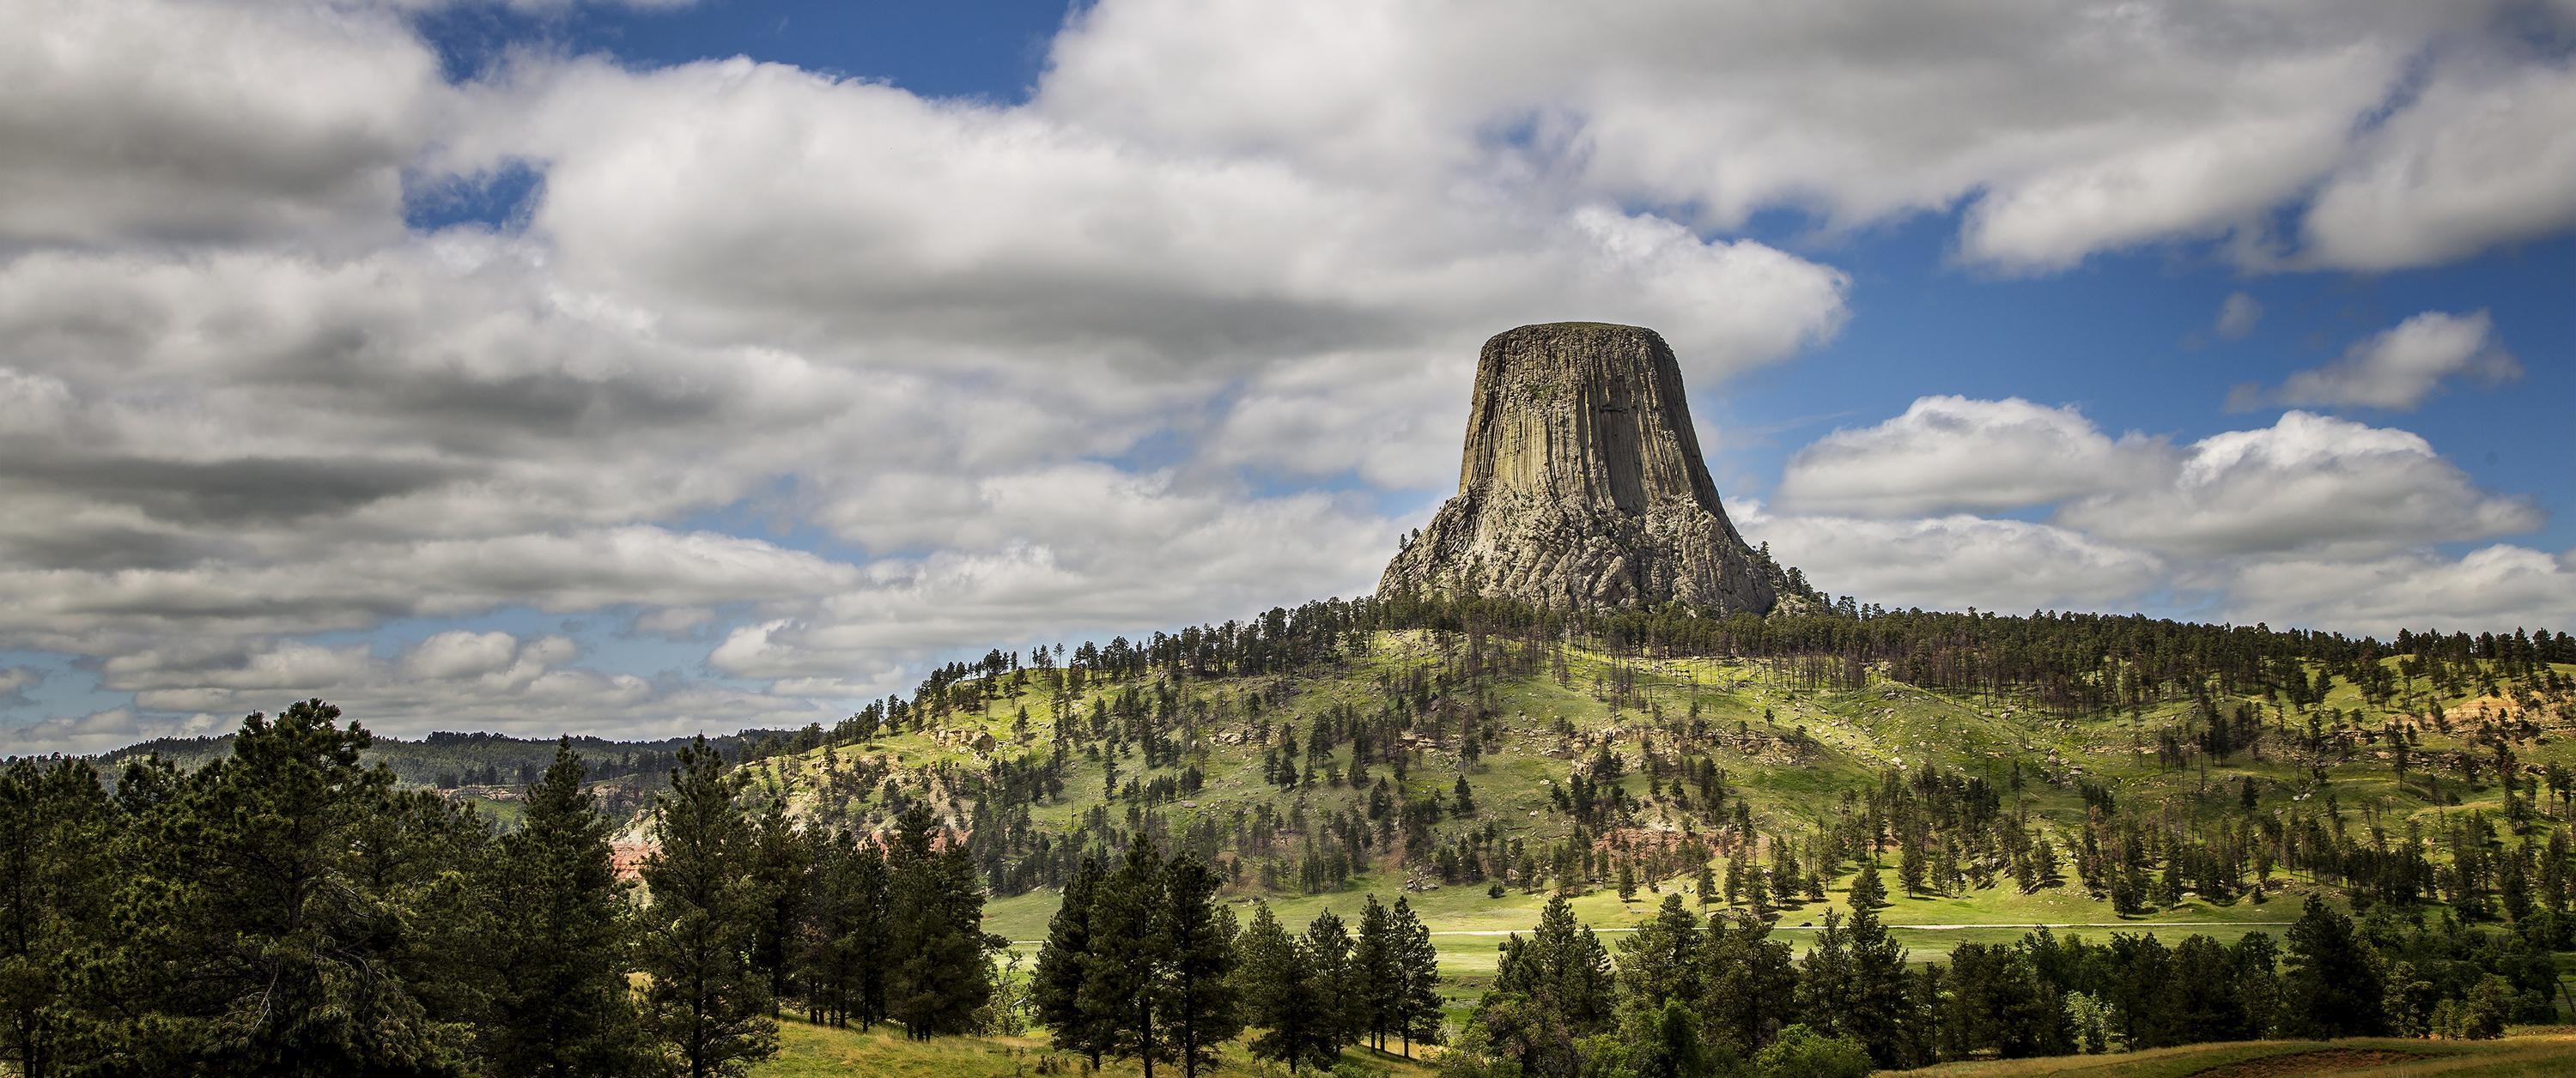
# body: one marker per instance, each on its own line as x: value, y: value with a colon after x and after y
x: 1280, y: 996
x: 1337, y: 980
x: 1199, y: 1005
x: 1063, y: 962
x: 1661, y: 959
x: 1867, y: 892
x: 938, y: 957
x: 560, y: 1004
x: 827, y: 964
x: 2334, y: 986
x: 1749, y: 989
x: 1373, y: 970
x: 779, y: 860
x: 1881, y: 1015
x: 293, y: 885
x: 1120, y: 988
x: 1417, y: 964
x: 56, y: 826
x: 705, y: 1001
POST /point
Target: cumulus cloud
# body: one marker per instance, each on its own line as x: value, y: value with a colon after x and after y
x: 1958, y: 561
x: 2485, y: 155
x: 2397, y: 370
x: 2497, y: 587
x: 726, y: 195
x: 2256, y: 524
x: 2062, y: 129
x: 451, y: 680
x: 1948, y: 453
x: 168, y: 122
x: 1081, y: 569
x: 16, y: 680
x: 2307, y: 482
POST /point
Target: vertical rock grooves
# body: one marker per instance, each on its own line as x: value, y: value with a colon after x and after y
x: 1582, y: 485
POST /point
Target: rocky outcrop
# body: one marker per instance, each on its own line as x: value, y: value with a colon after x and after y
x: 1582, y: 485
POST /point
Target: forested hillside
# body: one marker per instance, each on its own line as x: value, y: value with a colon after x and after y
x: 1642, y: 843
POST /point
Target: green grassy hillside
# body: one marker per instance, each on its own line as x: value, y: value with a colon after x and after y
x: 1800, y: 756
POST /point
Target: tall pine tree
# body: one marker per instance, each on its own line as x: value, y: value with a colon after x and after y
x: 1063, y: 961
x: 1374, y: 974
x: 705, y: 1001
x: 561, y: 1006
x: 1417, y: 968
x: 939, y: 956
x: 1121, y: 987
x: 1198, y: 1003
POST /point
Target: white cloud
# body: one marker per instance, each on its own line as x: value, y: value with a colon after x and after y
x: 2496, y: 588
x: 1107, y: 553
x: 2063, y: 128
x: 2312, y: 521
x: 2485, y: 155
x: 167, y: 122
x: 747, y: 201
x: 1955, y: 562
x: 2237, y: 315
x: 2397, y: 370
x: 2306, y: 483
x: 1948, y: 453
x: 452, y: 680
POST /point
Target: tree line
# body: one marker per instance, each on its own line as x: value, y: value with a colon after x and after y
x: 1693, y: 998
x: 288, y: 910
x: 1141, y: 963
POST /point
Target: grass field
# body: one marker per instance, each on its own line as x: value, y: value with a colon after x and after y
x: 2538, y: 1052
x: 809, y: 1051
x: 806, y: 1050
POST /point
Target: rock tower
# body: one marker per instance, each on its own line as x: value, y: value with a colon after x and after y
x: 1582, y: 485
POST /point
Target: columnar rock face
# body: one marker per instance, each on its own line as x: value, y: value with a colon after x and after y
x: 1582, y: 485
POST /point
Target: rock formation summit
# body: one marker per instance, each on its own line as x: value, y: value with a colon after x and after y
x: 1582, y: 485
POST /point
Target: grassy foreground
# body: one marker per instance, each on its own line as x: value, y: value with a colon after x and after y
x: 805, y: 1051
x: 808, y: 1050
x: 2546, y: 1051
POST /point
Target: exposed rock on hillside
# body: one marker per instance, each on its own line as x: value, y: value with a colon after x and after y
x: 1582, y: 485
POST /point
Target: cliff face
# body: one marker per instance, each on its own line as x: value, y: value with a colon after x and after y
x: 1582, y: 485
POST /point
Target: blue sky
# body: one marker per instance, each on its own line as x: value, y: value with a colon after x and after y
x: 639, y: 368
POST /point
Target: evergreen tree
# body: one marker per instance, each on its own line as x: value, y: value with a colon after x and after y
x: 1337, y: 979
x: 830, y: 956
x: 1660, y: 960
x: 2334, y: 986
x: 1280, y: 996
x: 780, y: 858
x: 560, y: 1004
x: 1749, y: 988
x: 938, y: 957
x: 1199, y: 1005
x: 1417, y: 965
x: 56, y: 824
x: 1063, y: 962
x: 1550, y: 991
x: 1121, y: 990
x: 1867, y: 893
x: 284, y: 885
x: 705, y: 1001
x: 1883, y: 1016
x: 1373, y: 970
